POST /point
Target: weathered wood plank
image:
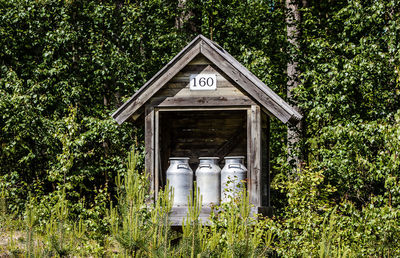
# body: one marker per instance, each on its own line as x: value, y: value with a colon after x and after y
x: 200, y: 60
x: 186, y: 92
x: 254, y: 162
x: 178, y: 214
x: 189, y: 69
x: 184, y: 81
x: 196, y: 126
x: 183, y: 77
x: 265, y: 171
x: 238, y: 136
x: 209, y: 134
x: 225, y: 65
x: 165, y: 145
x: 249, y: 148
x: 201, y: 133
x: 200, y: 69
x: 217, y: 120
x: 185, y: 109
x: 285, y: 107
x: 155, y: 83
x: 272, y: 102
x: 149, y: 146
x: 182, y: 211
x: 207, y: 112
x: 157, y: 164
x: 202, y: 101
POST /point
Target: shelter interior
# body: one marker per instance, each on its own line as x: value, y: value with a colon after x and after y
x: 194, y: 134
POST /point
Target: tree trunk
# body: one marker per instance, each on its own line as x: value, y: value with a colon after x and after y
x: 184, y: 17
x: 294, y: 133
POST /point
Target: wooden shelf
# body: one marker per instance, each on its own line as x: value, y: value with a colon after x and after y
x: 179, y: 214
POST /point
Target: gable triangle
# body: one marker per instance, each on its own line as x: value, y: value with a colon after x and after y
x: 248, y: 82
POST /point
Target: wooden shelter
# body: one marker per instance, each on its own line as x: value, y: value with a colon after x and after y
x: 205, y: 103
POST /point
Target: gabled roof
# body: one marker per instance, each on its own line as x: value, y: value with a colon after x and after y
x: 269, y: 100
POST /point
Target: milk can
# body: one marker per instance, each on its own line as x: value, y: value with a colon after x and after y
x: 180, y: 177
x: 208, y: 178
x: 232, y: 175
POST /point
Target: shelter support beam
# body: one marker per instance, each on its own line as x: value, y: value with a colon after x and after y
x: 254, y: 154
x: 149, y: 125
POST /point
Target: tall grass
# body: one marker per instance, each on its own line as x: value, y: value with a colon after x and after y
x: 137, y: 226
x: 140, y: 228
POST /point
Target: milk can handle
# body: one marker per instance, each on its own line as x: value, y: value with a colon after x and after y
x: 205, y: 165
x: 182, y: 166
x: 234, y: 166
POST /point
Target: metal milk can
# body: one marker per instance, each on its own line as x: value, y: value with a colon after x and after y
x: 208, y: 178
x: 232, y: 175
x: 180, y: 177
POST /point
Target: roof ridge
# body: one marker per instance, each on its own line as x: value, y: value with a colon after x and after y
x: 271, y: 101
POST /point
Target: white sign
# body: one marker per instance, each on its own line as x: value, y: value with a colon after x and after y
x: 203, y: 82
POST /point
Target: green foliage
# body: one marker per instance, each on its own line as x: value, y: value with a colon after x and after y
x: 241, y: 232
x: 313, y: 225
x: 233, y: 231
x: 92, y: 56
x: 349, y: 91
x: 193, y: 232
x: 65, y: 66
x: 56, y: 228
x: 141, y: 230
x: 299, y: 231
x: 57, y: 54
x: 30, y: 221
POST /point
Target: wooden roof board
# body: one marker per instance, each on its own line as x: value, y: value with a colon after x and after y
x: 268, y: 99
x: 273, y: 103
x: 137, y: 100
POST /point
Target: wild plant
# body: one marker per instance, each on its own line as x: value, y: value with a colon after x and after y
x: 160, y: 227
x: 9, y: 223
x: 140, y: 227
x: 3, y: 204
x: 128, y: 219
x: 232, y: 230
x: 192, y: 230
x: 7, y: 218
x: 58, y: 238
x: 243, y: 233
x: 331, y: 244
x: 31, y: 220
x: 79, y: 232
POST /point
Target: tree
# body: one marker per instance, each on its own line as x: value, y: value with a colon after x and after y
x: 294, y: 133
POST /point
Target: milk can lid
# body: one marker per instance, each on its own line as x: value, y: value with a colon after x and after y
x: 177, y: 158
x: 234, y: 157
x: 208, y: 157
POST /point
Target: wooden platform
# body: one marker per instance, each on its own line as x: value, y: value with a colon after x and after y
x: 179, y: 214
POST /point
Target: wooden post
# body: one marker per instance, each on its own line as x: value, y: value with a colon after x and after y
x: 149, y: 146
x: 156, y: 152
x: 254, y: 154
x: 265, y: 150
x: 164, y: 145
